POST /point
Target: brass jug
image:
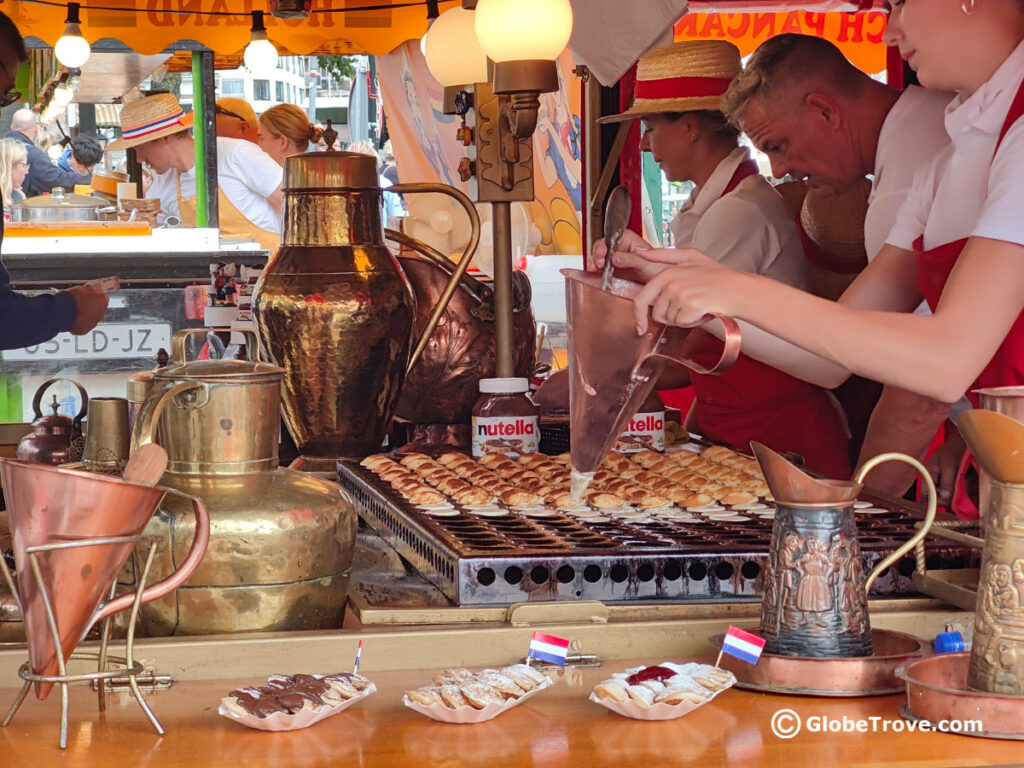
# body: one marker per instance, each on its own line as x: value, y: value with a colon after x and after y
x: 281, y: 541
x: 335, y: 310
x: 815, y: 600
x: 53, y: 436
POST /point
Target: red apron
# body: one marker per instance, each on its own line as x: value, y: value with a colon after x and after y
x: 1006, y: 368
x: 753, y: 401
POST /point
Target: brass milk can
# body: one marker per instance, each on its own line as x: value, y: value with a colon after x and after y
x: 281, y: 541
x: 334, y: 309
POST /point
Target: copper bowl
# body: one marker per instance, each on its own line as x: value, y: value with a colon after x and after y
x: 851, y: 676
x: 937, y: 690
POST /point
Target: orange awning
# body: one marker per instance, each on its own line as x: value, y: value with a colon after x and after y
x: 150, y: 26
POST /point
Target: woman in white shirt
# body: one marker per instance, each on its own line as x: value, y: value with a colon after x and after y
x: 738, y: 218
x: 958, y: 240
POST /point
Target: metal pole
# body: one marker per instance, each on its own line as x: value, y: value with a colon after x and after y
x: 205, y: 135
x: 312, y: 83
x: 503, y: 326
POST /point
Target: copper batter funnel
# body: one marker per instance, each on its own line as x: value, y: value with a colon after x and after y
x: 997, y: 442
x: 50, y: 505
x: 789, y: 483
x: 612, y: 369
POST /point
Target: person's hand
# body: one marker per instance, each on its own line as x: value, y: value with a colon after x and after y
x: 90, y: 306
x: 944, y: 465
x: 690, y: 286
x: 628, y: 263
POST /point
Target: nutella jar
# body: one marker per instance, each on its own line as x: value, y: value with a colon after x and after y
x: 505, y: 419
x: 646, y: 430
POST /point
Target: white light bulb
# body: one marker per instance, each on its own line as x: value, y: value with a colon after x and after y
x: 522, y: 30
x: 453, y: 54
x: 72, y: 50
x: 260, y: 55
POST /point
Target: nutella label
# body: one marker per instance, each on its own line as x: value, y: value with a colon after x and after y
x: 514, y: 435
x: 645, y: 431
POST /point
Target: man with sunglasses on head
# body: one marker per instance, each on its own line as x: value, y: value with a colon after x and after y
x: 236, y: 119
x: 28, y: 320
x: 43, y: 173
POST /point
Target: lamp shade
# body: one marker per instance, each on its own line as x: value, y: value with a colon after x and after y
x: 453, y: 54
x: 523, y: 30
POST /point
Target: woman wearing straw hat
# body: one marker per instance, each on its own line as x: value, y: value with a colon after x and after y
x: 248, y: 180
x: 957, y: 242
x: 736, y: 216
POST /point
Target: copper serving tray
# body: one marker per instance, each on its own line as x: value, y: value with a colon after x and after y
x: 477, y: 560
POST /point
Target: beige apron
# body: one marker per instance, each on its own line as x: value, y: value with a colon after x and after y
x: 232, y: 221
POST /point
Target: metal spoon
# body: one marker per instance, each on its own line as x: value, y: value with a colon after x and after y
x: 616, y: 218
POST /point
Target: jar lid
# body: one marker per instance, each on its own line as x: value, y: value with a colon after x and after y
x: 330, y: 171
x: 504, y: 386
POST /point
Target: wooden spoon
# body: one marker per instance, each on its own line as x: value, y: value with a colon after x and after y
x: 997, y: 441
x: 146, y: 465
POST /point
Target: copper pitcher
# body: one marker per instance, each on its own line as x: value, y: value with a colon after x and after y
x: 815, y: 599
x: 334, y: 308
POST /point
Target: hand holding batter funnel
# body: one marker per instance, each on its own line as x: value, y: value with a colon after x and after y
x: 612, y: 370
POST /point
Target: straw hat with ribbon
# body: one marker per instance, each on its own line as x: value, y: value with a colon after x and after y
x: 682, y: 77
x: 149, y: 118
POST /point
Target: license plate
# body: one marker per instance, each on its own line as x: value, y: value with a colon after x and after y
x: 107, y: 341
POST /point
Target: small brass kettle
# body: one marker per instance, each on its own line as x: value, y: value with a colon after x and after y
x: 53, y: 436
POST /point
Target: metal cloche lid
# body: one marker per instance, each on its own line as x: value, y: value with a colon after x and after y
x: 330, y: 170
x: 58, y: 198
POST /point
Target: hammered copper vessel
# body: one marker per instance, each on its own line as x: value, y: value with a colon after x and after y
x: 281, y: 541
x: 815, y: 601
x: 334, y: 308
x: 611, y: 369
x: 441, y: 388
x: 997, y: 652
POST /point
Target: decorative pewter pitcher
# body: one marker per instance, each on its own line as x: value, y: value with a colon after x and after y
x: 281, y: 541
x: 815, y: 600
x: 334, y: 308
x: 997, y: 650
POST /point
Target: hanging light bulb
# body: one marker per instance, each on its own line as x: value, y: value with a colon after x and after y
x: 72, y: 50
x: 260, y: 54
x: 453, y: 54
x: 432, y: 14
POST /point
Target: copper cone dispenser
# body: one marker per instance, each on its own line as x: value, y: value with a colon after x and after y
x: 50, y: 506
x: 612, y: 369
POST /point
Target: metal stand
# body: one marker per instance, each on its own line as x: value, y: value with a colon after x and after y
x: 126, y: 665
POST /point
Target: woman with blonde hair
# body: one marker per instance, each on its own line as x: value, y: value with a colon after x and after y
x: 284, y: 131
x: 13, y: 168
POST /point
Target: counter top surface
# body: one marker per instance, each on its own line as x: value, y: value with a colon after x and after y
x: 557, y: 727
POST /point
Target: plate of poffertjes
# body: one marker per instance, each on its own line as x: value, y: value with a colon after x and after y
x: 291, y: 702
x: 661, y: 692
x: 462, y: 696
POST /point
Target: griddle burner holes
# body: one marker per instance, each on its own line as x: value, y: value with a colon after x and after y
x: 671, y: 571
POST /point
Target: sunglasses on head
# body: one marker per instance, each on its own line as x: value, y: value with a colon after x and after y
x: 9, y: 98
x: 227, y: 112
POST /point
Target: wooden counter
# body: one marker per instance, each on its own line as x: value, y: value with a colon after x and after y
x: 558, y: 727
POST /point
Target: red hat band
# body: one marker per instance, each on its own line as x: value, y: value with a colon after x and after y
x: 681, y: 87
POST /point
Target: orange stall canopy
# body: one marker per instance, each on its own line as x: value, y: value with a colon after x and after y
x: 150, y: 26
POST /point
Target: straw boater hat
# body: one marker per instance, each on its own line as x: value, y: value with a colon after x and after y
x: 149, y: 118
x: 681, y: 78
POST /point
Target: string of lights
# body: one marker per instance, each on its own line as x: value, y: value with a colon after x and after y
x: 172, y: 11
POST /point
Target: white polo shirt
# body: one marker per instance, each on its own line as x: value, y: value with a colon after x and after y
x: 245, y: 173
x: 965, y: 191
x: 749, y: 229
x: 914, y: 132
